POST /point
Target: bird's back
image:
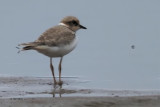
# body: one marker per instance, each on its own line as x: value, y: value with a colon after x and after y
x: 55, y: 36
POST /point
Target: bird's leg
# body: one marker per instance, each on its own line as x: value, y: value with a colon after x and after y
x: 52, y: 69
x: 60, y: 68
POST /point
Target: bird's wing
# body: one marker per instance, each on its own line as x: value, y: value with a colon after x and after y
x: 58, y: 35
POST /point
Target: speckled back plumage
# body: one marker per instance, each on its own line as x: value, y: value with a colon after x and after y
x: 57, y: 35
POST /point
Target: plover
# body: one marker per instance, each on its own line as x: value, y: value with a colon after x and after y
x: 57, y: 41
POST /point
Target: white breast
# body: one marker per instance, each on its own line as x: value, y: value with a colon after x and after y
x: 57, y: 51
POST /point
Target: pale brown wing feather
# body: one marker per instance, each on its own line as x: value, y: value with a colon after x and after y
x: 58, y: 35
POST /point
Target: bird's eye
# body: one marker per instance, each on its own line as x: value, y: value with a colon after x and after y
x: 75, y: 23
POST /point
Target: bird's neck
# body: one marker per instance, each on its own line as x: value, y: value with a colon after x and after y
x: 62, y: 24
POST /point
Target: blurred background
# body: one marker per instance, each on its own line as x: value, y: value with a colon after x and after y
x: 119, y: 50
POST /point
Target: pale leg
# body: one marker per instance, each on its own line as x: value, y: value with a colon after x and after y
x: 52, y: 69
x: 60, y: 68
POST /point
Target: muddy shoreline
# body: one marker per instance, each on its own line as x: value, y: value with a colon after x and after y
x: 134, y: 101
x: 39, y: 92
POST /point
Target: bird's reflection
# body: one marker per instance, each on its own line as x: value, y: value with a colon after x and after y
x: 60, y: 90
x: 57, y: 89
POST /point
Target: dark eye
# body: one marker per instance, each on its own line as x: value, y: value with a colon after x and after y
x: 75, y: 23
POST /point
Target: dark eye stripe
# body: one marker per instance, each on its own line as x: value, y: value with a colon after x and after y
x: 74, y: 23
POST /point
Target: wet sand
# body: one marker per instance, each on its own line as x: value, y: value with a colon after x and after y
x: 39, y: 92
x: 138, y: 101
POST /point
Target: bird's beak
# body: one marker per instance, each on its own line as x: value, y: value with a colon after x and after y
x: 82, y: 27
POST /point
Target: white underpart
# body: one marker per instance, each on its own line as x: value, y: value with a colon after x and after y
x: 57, y: 51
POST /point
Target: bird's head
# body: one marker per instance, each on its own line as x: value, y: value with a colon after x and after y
x: 72, y: 23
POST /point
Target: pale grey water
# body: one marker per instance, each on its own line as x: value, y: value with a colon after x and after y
x: 103, y: 57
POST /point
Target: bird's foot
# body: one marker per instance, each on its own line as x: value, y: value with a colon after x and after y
x: 60, y: 83
x: 55, y: 83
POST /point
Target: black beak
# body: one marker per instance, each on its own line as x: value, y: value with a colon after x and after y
x: 82, y: 27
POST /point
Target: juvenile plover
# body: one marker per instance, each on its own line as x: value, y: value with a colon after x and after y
x: 57, y: 41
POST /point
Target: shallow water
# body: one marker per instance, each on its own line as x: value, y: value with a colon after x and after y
x: 29, y: 87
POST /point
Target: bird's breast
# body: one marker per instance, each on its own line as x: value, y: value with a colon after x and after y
x: 57, y: 51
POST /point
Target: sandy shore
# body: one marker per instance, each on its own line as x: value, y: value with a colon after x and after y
x: 39, y: 92
x: 138, y: 101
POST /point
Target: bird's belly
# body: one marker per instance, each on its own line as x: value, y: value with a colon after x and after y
x: 57, y: 51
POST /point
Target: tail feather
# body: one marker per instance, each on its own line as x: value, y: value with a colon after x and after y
x: 26, y: 46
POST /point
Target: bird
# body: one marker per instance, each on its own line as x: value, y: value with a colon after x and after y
x: 56, y: 41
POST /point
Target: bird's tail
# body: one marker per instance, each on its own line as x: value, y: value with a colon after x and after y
x: 26, y: 46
